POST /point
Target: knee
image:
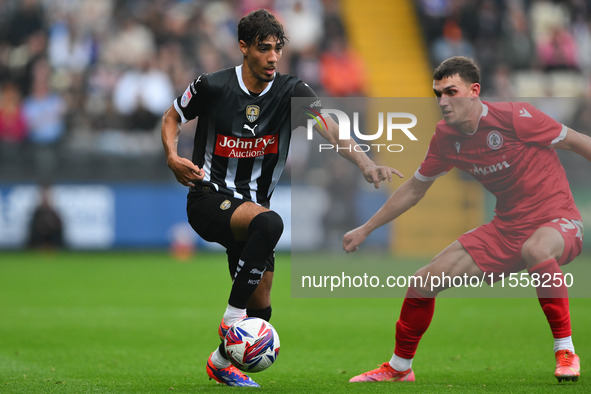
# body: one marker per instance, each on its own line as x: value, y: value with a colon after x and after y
x: 535, y: 251
x: 268, y: 224
x: 421, y: 286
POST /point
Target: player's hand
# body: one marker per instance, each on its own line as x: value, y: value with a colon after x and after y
x: 353, y: 239
x: 376, y: 174
x: 185, y: 171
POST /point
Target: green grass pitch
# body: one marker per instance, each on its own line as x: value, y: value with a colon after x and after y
x: 145, y: 323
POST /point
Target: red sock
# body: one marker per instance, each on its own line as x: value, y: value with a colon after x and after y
x: 415, y: 317
x: 553, y: 299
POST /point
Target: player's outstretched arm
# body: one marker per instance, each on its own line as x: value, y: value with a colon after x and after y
x: 576, y: 142
x: 184, y: 170
x: 403, y: 198
x: 371, y: 171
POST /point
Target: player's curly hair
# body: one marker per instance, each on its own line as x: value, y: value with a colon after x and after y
x: 258, y: 26
x: 460, y: 65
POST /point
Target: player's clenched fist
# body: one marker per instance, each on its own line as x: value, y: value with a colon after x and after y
x: 185, y: 171
x: 353, y: 239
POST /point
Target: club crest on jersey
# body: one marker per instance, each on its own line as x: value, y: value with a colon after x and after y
x: 252, y: 112
x: 225, y: 205
x: 494, y: 140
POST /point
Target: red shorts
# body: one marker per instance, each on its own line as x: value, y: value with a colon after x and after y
x: 496, y: 247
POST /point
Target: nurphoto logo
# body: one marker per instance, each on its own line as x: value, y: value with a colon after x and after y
x: 390, y: 123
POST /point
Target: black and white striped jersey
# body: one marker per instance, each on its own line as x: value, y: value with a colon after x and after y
x: 242, y: 139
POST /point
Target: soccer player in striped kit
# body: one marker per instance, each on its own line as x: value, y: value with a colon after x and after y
x: 241, y: 144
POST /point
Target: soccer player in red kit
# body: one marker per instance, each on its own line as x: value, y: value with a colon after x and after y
x: 537, y: 225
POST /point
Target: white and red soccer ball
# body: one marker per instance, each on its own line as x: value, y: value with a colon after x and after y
x: 252, y: 344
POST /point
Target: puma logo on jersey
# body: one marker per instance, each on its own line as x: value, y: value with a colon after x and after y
x: 524, y: 114
x: 251, y: 129
x: 257, y: 272
x: 486, y: 170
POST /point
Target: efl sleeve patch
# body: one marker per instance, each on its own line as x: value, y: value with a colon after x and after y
x: 186, y: 97
x: 191, y: 103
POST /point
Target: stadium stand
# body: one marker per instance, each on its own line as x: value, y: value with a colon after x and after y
x: 111, y: 68
x: 519, y: 45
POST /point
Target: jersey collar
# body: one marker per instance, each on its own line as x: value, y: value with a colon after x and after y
x: 484, y: 110
x: 482, y: 115
x: 243, y: 86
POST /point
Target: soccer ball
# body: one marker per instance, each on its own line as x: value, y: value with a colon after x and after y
x: 252, y: 344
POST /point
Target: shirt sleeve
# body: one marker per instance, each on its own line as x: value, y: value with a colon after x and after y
x: 532, y: 125
x: 191, y: 103
x: 307, y: 106
x: 434, y: 165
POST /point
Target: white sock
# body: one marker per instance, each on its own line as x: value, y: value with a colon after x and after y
x: 564, y: 344
x: 233, y: 314
x: 400, y: 364
x: 218, y: 361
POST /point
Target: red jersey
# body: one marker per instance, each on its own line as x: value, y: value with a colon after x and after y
x: 511, y: 154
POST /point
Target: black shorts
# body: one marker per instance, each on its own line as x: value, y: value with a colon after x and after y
x: 209, y: 213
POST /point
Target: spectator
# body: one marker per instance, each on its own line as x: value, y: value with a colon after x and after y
x: 130, y: 44
x: 46, y: 229
x: 44, y: 109
x: 13, y: 128
x: 558, y: 51
x: 142, y: 95
x: 501, y: 81
x: 23, y: 59
x: 27, y: 19
x: 70, y: 47
x: 518, y: 47
x: 303, y: 22
x: 452, y: 43
x: 334, y: 27
x: 342, y: 70
x: 582, y: 35
x: 433, y: 14
x: 44, y: 112
x: 306, y: 65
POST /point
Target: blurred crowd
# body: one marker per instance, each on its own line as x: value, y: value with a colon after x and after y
x: 525, y: 48
x: 86, y: 77
x: 85, y: 80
